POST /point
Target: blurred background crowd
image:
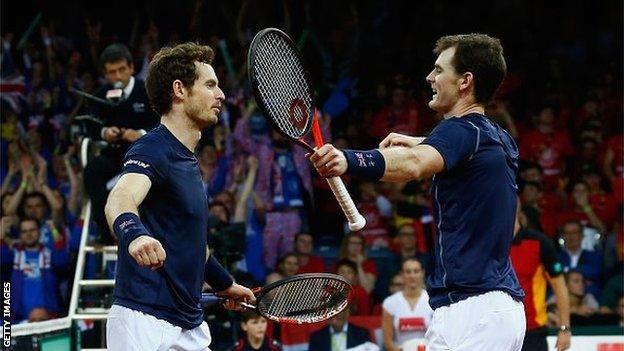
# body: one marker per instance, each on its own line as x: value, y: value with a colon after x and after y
x: 272, y: 216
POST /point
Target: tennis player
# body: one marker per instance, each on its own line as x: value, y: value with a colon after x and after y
x: 473, y: 289
x: 160, y: 216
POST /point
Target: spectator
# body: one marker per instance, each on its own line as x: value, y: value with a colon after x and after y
x: 339, y: 335
x: 33, y: 281
x: 396, y: 285
x: 255, y: 339
x: 400, y: 116
x: 124, y: 121
x: 600, y: 200
x: 408, y: 248
x: 573, y: 256
x: 581, y: 209
x: 406, y: 314
x: 361, y: 299
x: 285, y: 186
x: 582, y: 303
x: 539, y: 216
x: 377, y: 210
x: 614, y: 288
x: 36, y: 205
x: 213, y: 169
x: 308, y: 262
x: 287, y: 266
x: 547, y: 146
x: 353, y: 249
x: 613, y: 164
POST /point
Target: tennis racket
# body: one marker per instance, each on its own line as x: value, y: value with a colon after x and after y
x: 303, y: 298
x: 282, y: 92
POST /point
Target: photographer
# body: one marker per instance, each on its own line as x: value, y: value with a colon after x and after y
x: 127, y: 118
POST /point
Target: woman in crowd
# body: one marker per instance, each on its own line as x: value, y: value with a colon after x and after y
x: 406, y: 314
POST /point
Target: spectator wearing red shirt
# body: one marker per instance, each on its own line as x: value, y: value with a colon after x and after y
x: 400, y: 116
x: 581, y: 209
x: 613, y: 165
x: 308, y: 262
x: 361, y: 303
x: 377, y: 210
x: 551, y: 200
x: 353, y: 249
x: 287, y: 266
x: 601, y: 201
x: 586, y: 157
x: 548, y: 147
x: 539, y: 217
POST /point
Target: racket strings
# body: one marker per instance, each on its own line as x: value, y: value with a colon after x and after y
x: 306, y: 301
x: 281, y: 80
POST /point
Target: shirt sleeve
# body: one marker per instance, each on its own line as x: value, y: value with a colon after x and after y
x: 455, y: 140
x: 148, y: 158
x: 549, y: 258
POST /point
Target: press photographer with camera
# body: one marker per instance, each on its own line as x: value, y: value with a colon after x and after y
x: 126, y: 118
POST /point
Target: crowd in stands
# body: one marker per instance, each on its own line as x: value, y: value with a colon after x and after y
x: 562, y: 102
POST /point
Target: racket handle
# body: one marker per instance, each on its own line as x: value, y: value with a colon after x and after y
x: 355, y: 219
x: 210, y: 299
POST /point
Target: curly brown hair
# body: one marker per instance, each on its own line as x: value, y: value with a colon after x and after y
x: 480, y: 54
x: 169, y: 64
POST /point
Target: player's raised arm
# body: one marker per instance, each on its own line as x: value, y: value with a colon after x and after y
x: 397, y: 163
x: 122, y: 210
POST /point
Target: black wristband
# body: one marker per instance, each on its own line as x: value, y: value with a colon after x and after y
x: 369, y: 164
x: 215, y: 275
x: 127, y: 227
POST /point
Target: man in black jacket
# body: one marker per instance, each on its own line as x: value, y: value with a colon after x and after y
x: 339, y: 335
x: 127, y: 118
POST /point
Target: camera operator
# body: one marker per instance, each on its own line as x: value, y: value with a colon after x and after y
x: 127, y: 118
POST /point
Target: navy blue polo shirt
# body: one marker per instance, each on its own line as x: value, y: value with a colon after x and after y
x: 474, y: 207
x: 175, y: 212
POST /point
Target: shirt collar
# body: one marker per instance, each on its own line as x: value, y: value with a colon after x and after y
x: 128, y: 89
x: 345, y: 327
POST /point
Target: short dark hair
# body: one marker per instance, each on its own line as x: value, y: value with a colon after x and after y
x: 34, y: 194
x: 28, y: 219
x: 247, y: 315
x: 347, y: 262
x: 303, y: 233
x: 537, y: 185
x: 169, y: 64
x: 480, y: 54
x: 115, y: 52
x: 572, y: 222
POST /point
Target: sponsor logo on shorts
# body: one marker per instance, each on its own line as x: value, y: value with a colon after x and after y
x: 136, y: 162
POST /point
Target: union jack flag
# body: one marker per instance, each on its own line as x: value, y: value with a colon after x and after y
x: 12, y: 90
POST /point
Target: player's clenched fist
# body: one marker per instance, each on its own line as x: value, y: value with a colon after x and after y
x: 147, y: 251
x: 329, y: 161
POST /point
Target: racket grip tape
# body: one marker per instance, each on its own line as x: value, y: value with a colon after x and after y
x: 355, y: 219
x: 210, y: 299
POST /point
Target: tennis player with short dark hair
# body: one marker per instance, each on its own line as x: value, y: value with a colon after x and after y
x: 473, y: 289
x: 160, y: 216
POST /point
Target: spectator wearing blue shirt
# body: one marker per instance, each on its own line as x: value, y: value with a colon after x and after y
x: 475, y: 294
x: 33, y: 281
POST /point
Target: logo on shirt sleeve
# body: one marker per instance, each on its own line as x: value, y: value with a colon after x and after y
x: 136, y: 162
